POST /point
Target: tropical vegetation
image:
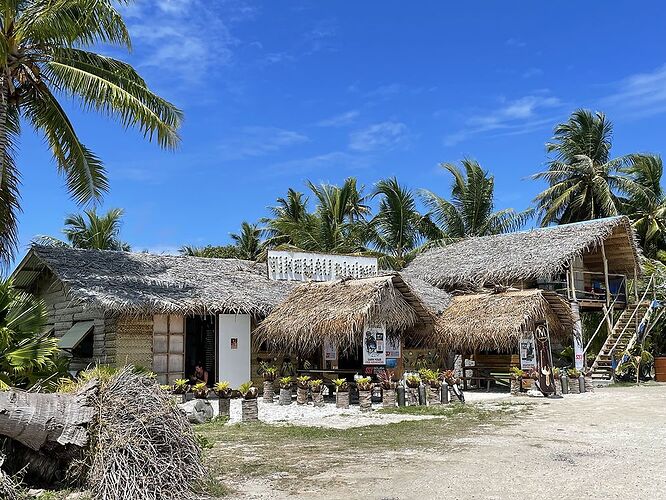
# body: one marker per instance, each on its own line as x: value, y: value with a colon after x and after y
x: 44, y: 58
x: 91, y: 231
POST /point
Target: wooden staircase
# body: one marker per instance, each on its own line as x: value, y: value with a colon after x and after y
x: 623, y: 331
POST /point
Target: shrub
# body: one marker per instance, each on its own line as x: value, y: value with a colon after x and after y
x: 303, y: 381
x: 248, y: 391
x: 387, y: 379
x: 268, y: 372
x: 341, y: 385
x: 364, y: 384
x: 413, y: 381
x: 223, y: 389
x: 286, y: 382
x: 181, y: 386
x: 517, y: 373
x: 200, y: 390
x: 316, y: 385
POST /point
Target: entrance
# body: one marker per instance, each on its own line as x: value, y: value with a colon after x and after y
x: 200, y: 345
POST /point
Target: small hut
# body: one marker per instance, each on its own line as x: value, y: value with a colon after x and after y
x: 317, y: 317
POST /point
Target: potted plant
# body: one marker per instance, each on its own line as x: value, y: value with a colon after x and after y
x: 269, y: 374
x: 364, y: 385
x: 316, y: 387
x: 285, y: 391
x: 389, y: 384
x: 302, y: 385
x: 250, y: 411
x: 434, y: 383
x: 181, y: 387
x: 452, y: 382
x: 200, y: 390
x: 574, y: 384
x: 223, y: 391
x: 412, y: 381
x: 557, y: 382
x: 341, y: 393
x: 588, y: 382
x: 516, y: 377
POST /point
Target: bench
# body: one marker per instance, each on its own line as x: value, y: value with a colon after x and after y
x: 490, y: 368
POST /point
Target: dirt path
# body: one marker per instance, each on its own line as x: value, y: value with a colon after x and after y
x: 610, y: 444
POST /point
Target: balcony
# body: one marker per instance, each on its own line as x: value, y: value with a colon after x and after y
x: 589, y: 289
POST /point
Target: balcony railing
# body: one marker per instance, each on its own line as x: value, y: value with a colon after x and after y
x: 590, y: 286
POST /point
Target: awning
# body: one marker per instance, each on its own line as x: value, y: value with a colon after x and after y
x: 75, y: 335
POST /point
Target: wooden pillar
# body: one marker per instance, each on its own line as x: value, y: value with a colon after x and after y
x: 606, y: 282
x: 635, y: 286
x: 568, y: 278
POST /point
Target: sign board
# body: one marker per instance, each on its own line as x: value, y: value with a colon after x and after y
x: 393, y: 346
x: 330, y: 351
x: 579, y: 355
x: 374, y: 346
x: 309, y: 266
x: 527, y: 354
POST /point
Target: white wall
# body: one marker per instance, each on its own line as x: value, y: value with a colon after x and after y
x: 234, y: 364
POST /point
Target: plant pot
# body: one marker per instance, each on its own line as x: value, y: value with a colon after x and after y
x: 574, y: 386
x: 317, y: 398
x: 250, y: 410
x: 301, y: 396
x: 365, y: 400
x: 189, y: 396
x: 285, y: 397
x: 515, y: 386
x: 223, y: 405
x: 388, y: 398
x: 557, y: 383
x: 412, y: 396
x: 444, y: 395
x: 269, y: 392
x: 433, y: 396
x: 564, y: 382
x: 589, y: 384
x: 342, y: 399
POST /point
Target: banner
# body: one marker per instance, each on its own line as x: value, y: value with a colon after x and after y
x: 527, y: 354
x: 330, y: 351
x: 393, y: 346
x: 579, y: 355
x: 374, y: 348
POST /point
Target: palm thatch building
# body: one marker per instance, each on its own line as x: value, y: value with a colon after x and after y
x: 586, y: 261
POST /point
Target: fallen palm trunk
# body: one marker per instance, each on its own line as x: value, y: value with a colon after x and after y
x: 125, y: 440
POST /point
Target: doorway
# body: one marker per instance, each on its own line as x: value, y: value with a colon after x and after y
x: 200, y: 345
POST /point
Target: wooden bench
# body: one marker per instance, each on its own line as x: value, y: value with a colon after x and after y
x: 490, y: 368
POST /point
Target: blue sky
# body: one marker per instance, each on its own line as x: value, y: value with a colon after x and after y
x: 275, y: 93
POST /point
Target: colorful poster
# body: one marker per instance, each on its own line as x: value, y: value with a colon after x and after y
x: 527, y: 354
x: 330, y: 351
x: 374, y: 349
x: 393, y: 346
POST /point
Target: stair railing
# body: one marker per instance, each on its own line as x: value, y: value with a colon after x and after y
x: 638, y: 306
x: 607, y: 311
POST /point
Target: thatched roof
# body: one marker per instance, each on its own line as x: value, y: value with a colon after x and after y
x: 340, y: 310
x: 138, y: 283
x: 529, y: 255
x: 496, y: 321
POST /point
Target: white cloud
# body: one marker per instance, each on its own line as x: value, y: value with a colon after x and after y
x: 258, y: 141
x: 514, y: 117
x: 515, y: 42
x: 340, y: 120
x: 532, y: 72
x: 385, y: 135
x: 326, y: 162
x: 639, y: 95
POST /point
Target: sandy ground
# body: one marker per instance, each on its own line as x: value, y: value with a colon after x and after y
x: 608, y: 444
x: 331, y: 417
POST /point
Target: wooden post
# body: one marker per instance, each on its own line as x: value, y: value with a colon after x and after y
x: 567, y: 277
x: 606, y: 282
x: 635, y: 285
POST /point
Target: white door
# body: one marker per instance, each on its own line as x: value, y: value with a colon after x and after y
x: 234, y: 348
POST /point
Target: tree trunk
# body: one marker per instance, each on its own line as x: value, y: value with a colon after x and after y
x: 34, y: 419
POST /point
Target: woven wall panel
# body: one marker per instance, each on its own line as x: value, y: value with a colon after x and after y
x: 134, y: 342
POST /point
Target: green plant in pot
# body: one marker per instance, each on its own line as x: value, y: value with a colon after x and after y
x: 516, y: 378
x: 389, y: 383
x: 341, y: 393
x: 413, y: 382
x: 249, y: 408
x: 223, y: 391
x: 181, y: 387
x: 574, y: 384
x: 286, y: 384
x: 302, y: 385
x: 269, y: 373
x: 364, y: 385
x: 200, y: 390
x: 434, y: 384
x: 316, y: 388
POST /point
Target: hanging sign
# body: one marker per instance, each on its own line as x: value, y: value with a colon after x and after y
x: 393, y: 348
x: 579, y: 355
x: 374, y: 345
x: 527, y: 354
x: 330, y: 351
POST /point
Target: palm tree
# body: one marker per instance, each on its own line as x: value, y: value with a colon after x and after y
x: 287, y: 217
x: 471, y: 210
x: 25, y: 350
x: 647, y: 207
x: 91, y: 231
x: 210, y: 251
x: 584, y: 182
x: 248, y: 242
x: 396, y: 229
x: 43, y: 57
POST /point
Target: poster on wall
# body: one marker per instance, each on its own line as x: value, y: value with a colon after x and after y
x: 527, y: 354
x: 330, y: 351
x: 374, y: 345
x: 393, y: 348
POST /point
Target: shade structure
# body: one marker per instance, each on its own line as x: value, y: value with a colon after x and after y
x: 497, y: 321
x: 339, y: 311
x: 75, y: 335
